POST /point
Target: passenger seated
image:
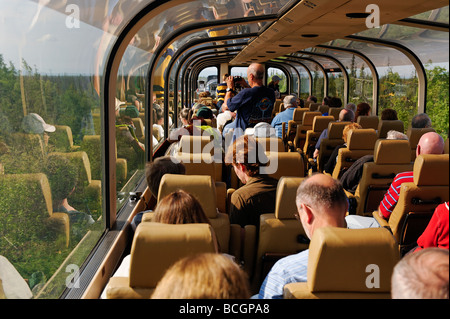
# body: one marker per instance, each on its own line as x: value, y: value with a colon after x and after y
x: 331, y: 163
x: 436, y: 233
x: 350, y: 179
x: 421, y: 120
x: 345, y: 115
x: 389, y: 115
x: 422, y: 275
x: 429, y: 143
x: 362, y: 109
x: 321, y: 202
x: 62, y: 177
x: 154, y: 171
x: 290, y: 104
x: 203, y: 276
x: 257, y: 195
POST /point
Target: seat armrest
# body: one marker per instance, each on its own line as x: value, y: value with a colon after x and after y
x: 119, y: 288
x: 381, y: 221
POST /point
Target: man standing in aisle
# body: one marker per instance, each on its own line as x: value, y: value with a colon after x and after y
x: 252, y: 105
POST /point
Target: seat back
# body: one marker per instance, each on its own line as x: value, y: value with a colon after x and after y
x: 286, y: 164
x: 348, y: 263
x: 390, y: 158
x: 320, y: 123
x: 87, y: 195
x: 25, y: 209
x: 271, y: 144
x: 140, y: 131
x: 414, y: 135
x: 368, y: 121
x: 203, y: 188
x: 27, y: 154
x: 307, y: 122
x: 62, y: 139
x: 429, y: 189
x: 323, y: 109
x: 196, y: 144
x: 200, y: 164
x: 387, y: 125
x: 298, y: 114
x: 334, y: 112
x: 329, y: 143
x: 155, y: 248
x: 359, y: 143
x: 279, y: 232
x: 313, y: 107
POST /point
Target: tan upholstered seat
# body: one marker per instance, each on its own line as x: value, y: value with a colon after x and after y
x: 271, y: 144
x: 414, y: 135
x: 359, y: 143
x: 419, y: 199
x: 329, y: 143
x: 323, y: 109
x: 313, y: 107
x: 154, y: 249
x: 347, y: 264
x: 334, y: 112
x: 140, y: 131
x: 91, y: 144
x: 212, y: 199
x: 320, y: 123
x: 368, y: 121
x: 390, y: 158
x: 446, y: 146
x: 87, y: 195
x: 200, y: 164
x: 388, y: 125
x: 279, y: 232
x: 196, y: 144
x: 27, y: 211
x: 297, y: 119
x: 285, y: 164
x: 62, y: 140
x: 307, y: 123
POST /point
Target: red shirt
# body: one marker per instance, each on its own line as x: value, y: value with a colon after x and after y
x: 390, y: 199
x: 436, y: 233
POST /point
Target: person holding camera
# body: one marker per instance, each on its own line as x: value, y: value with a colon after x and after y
x: 254, y: 104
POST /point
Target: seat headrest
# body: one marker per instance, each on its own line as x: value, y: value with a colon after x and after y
x: 431, y: 170
x: 194, y: 143
x: 414, y: 135
x: 362, y: 139
x: 157, y: 246
x: 392, y: 152
x: 202, y: 187
x: 385, y: 126
x: 18, y: 188
x: 308, y: 117
x: 321, y: 123
x: 285, y: 207
x: 81, y: 161
x: 335, y: 129
x: 298, y: 113
x: 271, y: 144
x: 197, y: 164
x: 285, y: 164
x: 368, y: 121
x: 339, y: 259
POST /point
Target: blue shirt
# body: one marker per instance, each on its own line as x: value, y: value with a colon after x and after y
x: 285, y: 116
x: 287, y: 270
x: 253, y: 105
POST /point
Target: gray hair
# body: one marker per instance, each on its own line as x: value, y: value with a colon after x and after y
x: 396, y: 135
x: 421, y: 120
x: 421, y: 275
x: 351, y: 106
x: 289, y: 101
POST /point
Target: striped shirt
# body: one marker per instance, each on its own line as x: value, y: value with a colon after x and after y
x: 221, y: 90
x: 390, y: 199
x: 287, y: 270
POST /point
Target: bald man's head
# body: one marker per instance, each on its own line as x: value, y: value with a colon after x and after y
x: 257, y: 70
x: 430, y: 143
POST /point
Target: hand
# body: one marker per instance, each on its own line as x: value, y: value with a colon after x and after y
x: 230, y: 82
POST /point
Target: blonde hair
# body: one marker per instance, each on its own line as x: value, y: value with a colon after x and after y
x: 348, y: 128
x: 203, y: 276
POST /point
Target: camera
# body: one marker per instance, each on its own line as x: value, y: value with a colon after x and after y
x: 237, y: 82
